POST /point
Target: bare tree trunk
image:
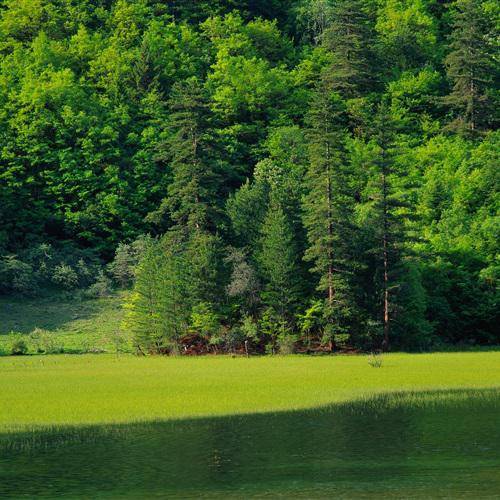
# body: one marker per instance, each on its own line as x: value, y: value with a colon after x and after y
x: 385, y: 236
x: 330, y: 229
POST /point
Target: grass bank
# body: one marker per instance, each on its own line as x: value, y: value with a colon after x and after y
x: 88, y: 389
x: 77, y: 325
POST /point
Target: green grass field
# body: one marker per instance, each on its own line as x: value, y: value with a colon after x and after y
x: 89, y: 389
x: 76, y: 325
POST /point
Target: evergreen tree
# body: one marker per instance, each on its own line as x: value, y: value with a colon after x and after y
x: 279, y: 264
x: 350, y: 38
x: 472, y: 68
x: 192, y: 198
x: 386, y: 210
x: 327, y: 207
x: 157, y: 310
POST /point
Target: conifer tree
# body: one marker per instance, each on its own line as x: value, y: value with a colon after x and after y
x: 327, y: 207
x: 279, y: 265
x: 386, y: 209
x: 471, y: 67
x: 192, y: 195
x: 157, y: 310
x: 350, y: 39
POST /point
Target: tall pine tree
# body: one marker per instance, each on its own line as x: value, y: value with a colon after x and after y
x: 192, y: 198
x: 350, y: 38
x: 386, y: 210
x: 327, y: 207
x: 472, y: 68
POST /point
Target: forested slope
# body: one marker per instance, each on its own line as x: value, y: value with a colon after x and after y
x: 312, y: 173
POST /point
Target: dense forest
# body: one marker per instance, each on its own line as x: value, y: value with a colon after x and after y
x: 280, y: 175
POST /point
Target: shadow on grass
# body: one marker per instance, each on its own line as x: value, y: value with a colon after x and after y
x: 412, y: 444
x: 52, y: 313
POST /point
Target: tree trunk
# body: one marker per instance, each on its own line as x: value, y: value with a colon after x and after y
x: 330, y: 228
x: 385, y: 237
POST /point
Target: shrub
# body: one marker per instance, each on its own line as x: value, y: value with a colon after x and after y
x: 19, y: 347
x: 375, y: 360
x: 120, y: 342
x: 17, y: 276
x: 286, y: 343
x: 101, y: 288
x: 206, y: 323
x: 65, y: 276
x: 127, y: 258
x: 44, y: 342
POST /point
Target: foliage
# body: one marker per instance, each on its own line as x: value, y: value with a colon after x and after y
x: 19, y: 347
x: 317, y: 170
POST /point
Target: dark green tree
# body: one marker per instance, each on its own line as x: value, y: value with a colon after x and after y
x: 386, y: 211
x: 472, y: 68
x: 192, y: 198
x: 327, y: 208
x: 279, y: 265
x: 350, y: 38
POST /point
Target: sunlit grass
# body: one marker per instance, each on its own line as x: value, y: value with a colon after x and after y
x: 81, y: 390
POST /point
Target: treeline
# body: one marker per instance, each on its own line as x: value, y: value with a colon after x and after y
x: 312, y: 174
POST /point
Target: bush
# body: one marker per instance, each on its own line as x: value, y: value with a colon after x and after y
x: 286, y: 344
x: 375, y: 360
x: 45, y: 342
x: 44, y: 265
x: 19, y: 347
x: 65, y: 276
x: 120, y: 341
x: 101, y: 288
x: 17, y: 276
x: 127, y: 258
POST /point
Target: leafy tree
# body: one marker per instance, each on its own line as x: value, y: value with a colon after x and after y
x: 408, y: 33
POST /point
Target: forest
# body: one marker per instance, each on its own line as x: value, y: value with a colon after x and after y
x: 268, y: 176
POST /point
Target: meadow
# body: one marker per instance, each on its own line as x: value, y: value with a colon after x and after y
x: 78, y: 390
x: 75, y: 324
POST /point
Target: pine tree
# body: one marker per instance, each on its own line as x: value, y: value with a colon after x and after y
x: 327, y: 207
x: 158, y: 311
x: 387, y: 209
x: 279, y: 265
x: 471, y: 67
x: 192, y: 199
x: 350, y: 39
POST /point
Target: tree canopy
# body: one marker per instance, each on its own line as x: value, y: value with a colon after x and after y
x: 320, y: 170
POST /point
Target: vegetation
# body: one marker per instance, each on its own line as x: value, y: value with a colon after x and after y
x: 58, y: 323
x: 267, y: 176
x: 79, y: 390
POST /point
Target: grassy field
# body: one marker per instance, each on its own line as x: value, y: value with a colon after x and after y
x: 89, y: 389
x: 75, y: 325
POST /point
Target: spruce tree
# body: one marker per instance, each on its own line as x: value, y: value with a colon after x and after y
x: 157, y: 309
x: 350, y: 38
x: 386, y: 210
x: 192, y: 198
x: 279, y: 265
x: 327, y: 208
x: 471, y: 67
